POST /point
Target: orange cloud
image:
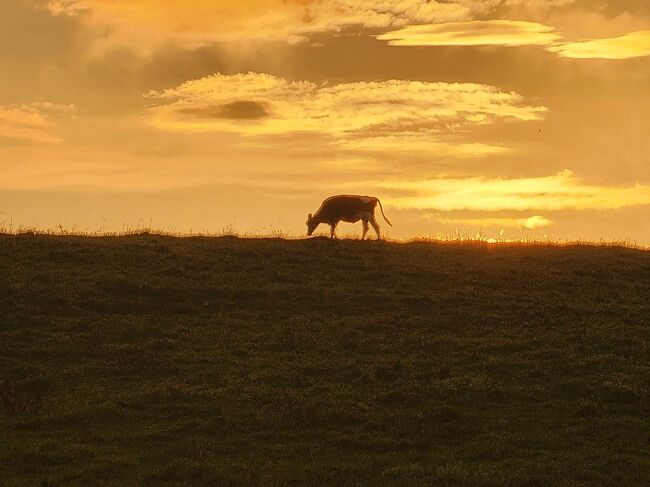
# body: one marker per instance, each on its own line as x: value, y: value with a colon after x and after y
x: 196, y: 21
x: 442, y: 147
x: 530, y: 223
x: 32, y: 122
x: 474, y: 33
x: 534, y: 222
x: 633, y: 44
x: 387, y: 115
x: 144, y: 24
x: 518, y: 33
x: 559, y: 192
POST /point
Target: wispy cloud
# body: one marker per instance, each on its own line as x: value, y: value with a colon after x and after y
x: 441, y: 146
x: 558, y: 192
x: 518, y: 33
x: 474, y: 33
x: 529, y: 223
x: 387, y: 115
x: 148, y: 23
x: 633, y: 44
x: 196, y: 21
x: 33, y: 122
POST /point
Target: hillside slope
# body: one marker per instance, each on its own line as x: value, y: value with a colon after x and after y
x: 150, y: 360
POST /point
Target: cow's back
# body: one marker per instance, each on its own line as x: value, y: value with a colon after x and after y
x: 345, y: 207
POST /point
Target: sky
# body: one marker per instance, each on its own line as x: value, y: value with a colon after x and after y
x: 499, y: 118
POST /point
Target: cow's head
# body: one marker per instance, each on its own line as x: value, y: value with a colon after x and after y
x: 311, y: 224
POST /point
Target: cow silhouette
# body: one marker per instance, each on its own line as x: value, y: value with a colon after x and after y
x: 347, y: 208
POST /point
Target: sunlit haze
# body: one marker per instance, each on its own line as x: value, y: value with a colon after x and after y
x: 504, y: 117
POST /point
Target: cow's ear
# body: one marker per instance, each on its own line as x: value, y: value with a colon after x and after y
x: 309, y: 216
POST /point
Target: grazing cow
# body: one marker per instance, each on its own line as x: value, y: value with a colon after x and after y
x: 349, y: 208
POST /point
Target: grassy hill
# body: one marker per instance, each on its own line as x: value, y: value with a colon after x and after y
x: 150, y: 360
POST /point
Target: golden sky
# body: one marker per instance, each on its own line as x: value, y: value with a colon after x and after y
x: 508, y: 117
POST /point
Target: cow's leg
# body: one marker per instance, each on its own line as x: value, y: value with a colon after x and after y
x: 332, y: 228
x: 374, y: 224
x: 365, y: 229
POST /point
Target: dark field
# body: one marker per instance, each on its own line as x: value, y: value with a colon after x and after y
x: 150, y: 360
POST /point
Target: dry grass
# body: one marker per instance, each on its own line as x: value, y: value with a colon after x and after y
x: 242, y: 361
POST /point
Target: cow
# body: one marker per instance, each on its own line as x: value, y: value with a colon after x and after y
x: 347, y: 208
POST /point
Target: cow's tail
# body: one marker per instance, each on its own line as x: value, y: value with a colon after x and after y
x: 382, y: 212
